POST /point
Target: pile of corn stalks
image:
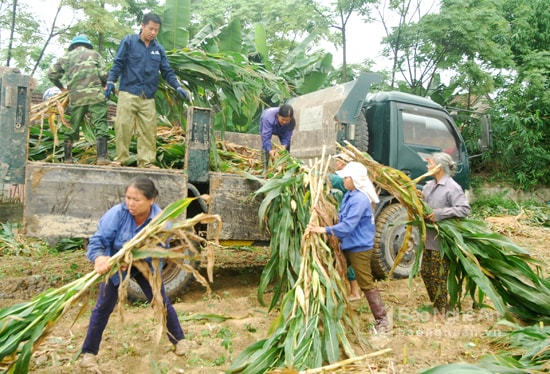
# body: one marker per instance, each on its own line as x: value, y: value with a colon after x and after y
x: 49, y: 118
x: 525, y: 349
x: 24, y: 326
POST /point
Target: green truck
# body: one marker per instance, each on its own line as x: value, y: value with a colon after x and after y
x: 396, y: 129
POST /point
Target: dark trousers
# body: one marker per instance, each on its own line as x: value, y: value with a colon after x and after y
x: 435, y: 271
x: 106, y: 302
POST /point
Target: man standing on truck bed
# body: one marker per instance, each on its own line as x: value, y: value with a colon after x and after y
x: 86, y: 74
x: 138, y: 60
x: 276, y: 121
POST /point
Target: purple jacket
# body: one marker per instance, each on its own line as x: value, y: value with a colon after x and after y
x: 269, y: 126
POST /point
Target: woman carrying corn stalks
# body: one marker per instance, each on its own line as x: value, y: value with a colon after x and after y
x: 337, y: 182
x: 447, y: 200
x: 356, y: 231
x: 118, y: 225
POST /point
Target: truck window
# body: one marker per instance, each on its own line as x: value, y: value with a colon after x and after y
x: 426, y: 132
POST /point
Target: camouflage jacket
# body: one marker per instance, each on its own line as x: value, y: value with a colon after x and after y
x: 86, y: 76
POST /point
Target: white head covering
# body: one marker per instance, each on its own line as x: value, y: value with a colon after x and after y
x: 359, y: 175
x: 344, y: 157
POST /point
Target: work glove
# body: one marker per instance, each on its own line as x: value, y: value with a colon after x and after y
x: 109, y: 90
x: 182, y: 93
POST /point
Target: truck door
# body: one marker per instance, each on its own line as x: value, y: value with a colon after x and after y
x: 423, y: 131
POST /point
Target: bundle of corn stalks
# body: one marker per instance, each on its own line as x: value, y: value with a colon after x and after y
x: 491, y: 263
x: 525, y: 349
x: 24, y: 326
x: 49, y: 118
x: 315, y: 315
x: 53, y: 110
x: 237, y: 158
x: 285, y: 212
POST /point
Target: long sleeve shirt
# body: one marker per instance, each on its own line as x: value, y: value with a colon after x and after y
x: 138, y: 67
x: 269, y: 126
x: 447, y: 200
x: 86, y: 76
x: 355, y: 227
x: 115, y: 228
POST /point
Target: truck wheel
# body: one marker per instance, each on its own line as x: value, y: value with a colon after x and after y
x: 388, y: 240
x: 176, y: 280
x: 362, y: 132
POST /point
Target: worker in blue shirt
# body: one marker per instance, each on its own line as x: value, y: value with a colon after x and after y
x: 338, y: 190
x: 276, y: 121
x: 137, y: 63
x: 117, y: 226
x: 356, y: 231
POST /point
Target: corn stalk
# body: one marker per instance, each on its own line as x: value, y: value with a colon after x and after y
x: 24, y: 326
x: 499, y: 268
x: 315, y: 315
x: 52, y: 111
x: 285, y: 212
x: 524, y: 349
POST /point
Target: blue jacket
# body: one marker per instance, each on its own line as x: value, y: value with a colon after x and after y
x: 115, y: 228
x: 138, y: 67
x: 356, y: 228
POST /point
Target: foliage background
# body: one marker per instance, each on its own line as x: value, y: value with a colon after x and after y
x: 484, y: 55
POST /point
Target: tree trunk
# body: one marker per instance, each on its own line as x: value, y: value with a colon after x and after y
x: 12, y: 31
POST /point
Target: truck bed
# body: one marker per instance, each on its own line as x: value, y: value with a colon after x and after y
x: 67, y: 200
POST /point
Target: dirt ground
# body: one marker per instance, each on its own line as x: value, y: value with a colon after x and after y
x: 232, y: 319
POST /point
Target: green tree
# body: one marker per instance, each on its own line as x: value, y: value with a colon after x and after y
x: 522, y: 107
x: 338, y: 16
x: 465, y: 38
x: 21, y: 26
x: 284, y: 24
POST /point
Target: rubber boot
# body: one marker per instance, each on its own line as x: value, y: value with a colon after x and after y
x: 265, y: 160
x: 378, y: 310
x: 68, y: 151
x: 101, y: 146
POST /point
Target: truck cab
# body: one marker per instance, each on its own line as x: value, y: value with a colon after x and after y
x: 407, y: 128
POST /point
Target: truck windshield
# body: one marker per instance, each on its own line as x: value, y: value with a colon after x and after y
x: 428, y: 132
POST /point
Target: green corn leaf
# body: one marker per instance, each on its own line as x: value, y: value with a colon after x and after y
x: 330, y: 338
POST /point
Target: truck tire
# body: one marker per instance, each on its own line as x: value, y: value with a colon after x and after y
x: 388, y: 240
x: 176, y: 280
x: 362, y: 132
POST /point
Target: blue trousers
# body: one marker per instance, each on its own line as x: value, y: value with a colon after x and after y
x: 106, y: 302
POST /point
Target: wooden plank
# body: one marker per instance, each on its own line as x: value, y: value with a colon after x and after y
x: 64, y: 200
x: 232, y: 199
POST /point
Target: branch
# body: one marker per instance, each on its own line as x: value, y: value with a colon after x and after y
x: 50, y: 36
